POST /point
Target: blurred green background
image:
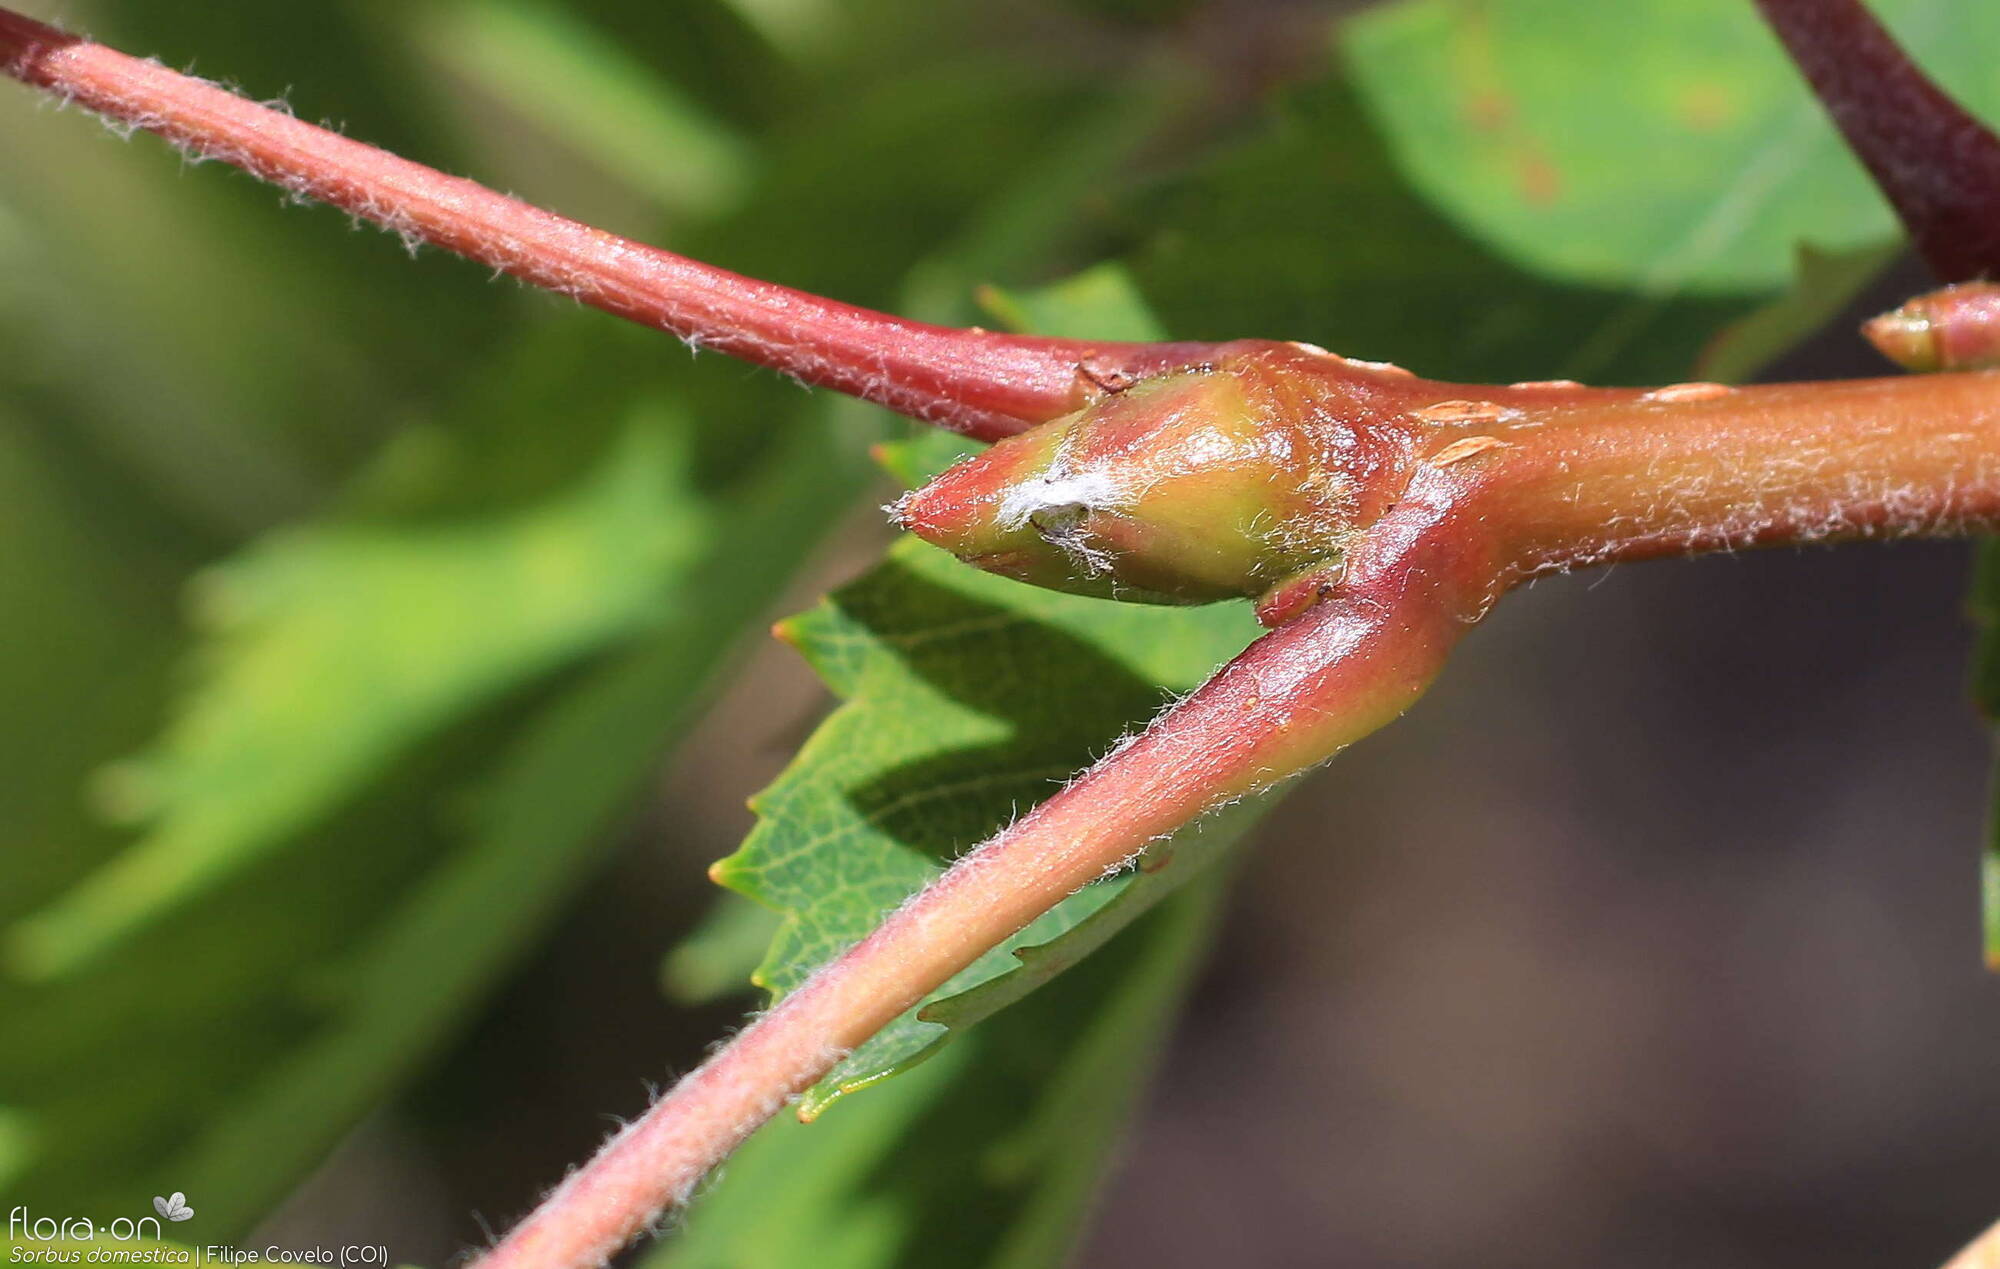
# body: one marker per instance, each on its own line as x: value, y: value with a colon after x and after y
x: 384, y: 660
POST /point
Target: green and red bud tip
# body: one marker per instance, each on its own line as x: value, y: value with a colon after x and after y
x: 1957, y: 328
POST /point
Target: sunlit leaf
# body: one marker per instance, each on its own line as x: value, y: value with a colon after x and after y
x: 1661, y: 147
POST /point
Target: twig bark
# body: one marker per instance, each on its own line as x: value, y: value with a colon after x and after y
x: 982, y: 384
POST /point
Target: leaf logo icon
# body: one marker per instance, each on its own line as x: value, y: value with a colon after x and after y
x: 174, y: 1207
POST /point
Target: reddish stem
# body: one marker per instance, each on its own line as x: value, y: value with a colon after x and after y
x: 1937, y: 164
x: 1290, y: 701
x: 1777, y: 464
x: 982, y: 384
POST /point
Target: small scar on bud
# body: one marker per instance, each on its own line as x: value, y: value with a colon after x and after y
x: 1689, y: 392
x: 1459, y: 451
x: 1447, y: 412
x: 1106, y: 378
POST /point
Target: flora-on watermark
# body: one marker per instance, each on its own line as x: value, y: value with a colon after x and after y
x: 25, y: 1225
x: 78, y: 1240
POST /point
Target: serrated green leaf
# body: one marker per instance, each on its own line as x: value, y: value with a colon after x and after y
x: 935, y: 751
x: 970, y: 699
x: 963, y: 621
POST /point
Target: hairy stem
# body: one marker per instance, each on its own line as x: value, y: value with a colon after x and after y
x: 1937, y: 165
x: 976, y: 382
x: 1779, y: 464
x: 1355, y: 665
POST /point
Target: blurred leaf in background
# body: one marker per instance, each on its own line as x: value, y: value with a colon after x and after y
x: 1525, y: 121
